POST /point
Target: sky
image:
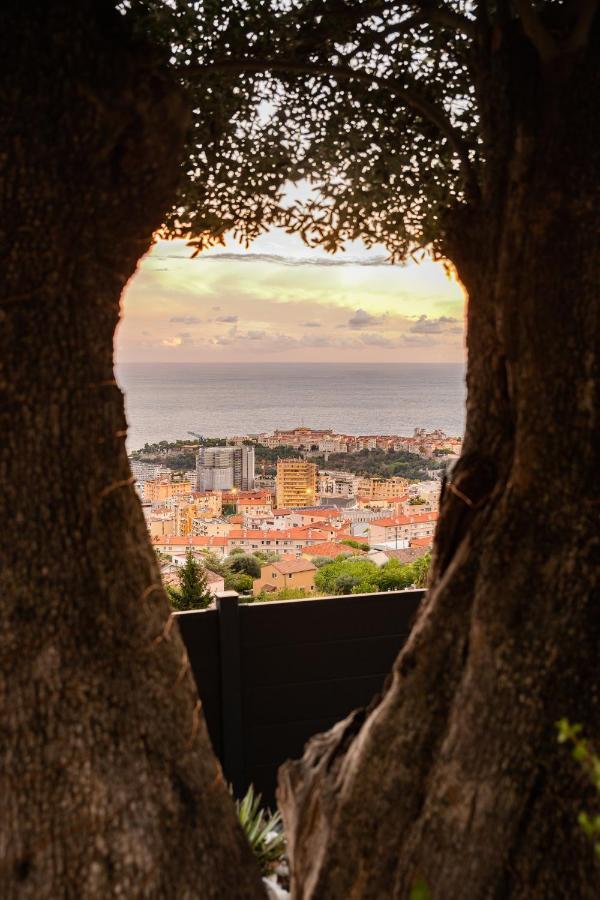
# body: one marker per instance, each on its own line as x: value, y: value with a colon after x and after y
x: 280, y: 301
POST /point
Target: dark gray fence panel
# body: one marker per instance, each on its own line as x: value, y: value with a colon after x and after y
x: 287, y: 670
x: 200, y: 632
x: 328, y: 618
x: 320, y: 660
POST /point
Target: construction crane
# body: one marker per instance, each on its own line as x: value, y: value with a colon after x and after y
x: 199, y: 436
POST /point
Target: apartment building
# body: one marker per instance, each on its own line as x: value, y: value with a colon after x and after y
x: 176, y: 544
x: 296, y: 483
x: 143, y: 471
x: 161, y: 489
x: 225, y: 468
x: 217, y: 527
x: 257, y: 506
x: 159, y: 525
x: 402, y: 530
x: 336, y: 484
x: 290, y: 541
x: 373, y: 488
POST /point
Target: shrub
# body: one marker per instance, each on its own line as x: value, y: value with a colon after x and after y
x: 394, y: 576
x: 238, y: 581
x: 267, y: 556
x: 320, y: 561
x: 342, y: 574
x: 358, y: 545
x: 244, y: 562
x: 263, y: 830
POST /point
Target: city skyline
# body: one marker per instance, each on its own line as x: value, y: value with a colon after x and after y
x: 282, y: 301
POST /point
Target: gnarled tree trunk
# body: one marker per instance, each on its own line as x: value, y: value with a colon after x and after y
x: 108, y: 783
x: 456, y: 777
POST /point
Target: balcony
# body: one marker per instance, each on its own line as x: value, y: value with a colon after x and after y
x: 271, y: 675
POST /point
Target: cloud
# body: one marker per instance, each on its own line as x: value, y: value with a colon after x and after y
x: 443, y: 324
x: 363, y: 319
x: 325, y: 262
x: 179, y: 340
x: 311, y: 324
x: 186, y: 320
x: 227, y: 319
x: 377, y: 340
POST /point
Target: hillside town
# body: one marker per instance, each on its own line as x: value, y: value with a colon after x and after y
x: 294, y: 521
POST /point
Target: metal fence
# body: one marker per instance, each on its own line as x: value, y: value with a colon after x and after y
x: 270, y: 675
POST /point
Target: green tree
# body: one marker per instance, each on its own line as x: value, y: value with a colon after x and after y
x: 193, y: 590
x: 238, y: 581
x: 246, y: 563
x: 343, y: 574
x: 345, y: 583
x: 213, y: 563
x: 420, y: 571
x: 393, y: 576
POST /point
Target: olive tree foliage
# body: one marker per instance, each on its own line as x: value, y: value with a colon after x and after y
x: 370, y: 102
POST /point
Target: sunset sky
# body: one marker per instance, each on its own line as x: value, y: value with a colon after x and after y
x: 281, y: 301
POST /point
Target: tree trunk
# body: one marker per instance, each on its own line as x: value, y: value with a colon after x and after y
x: 109, y: 786
x: 455, y: 776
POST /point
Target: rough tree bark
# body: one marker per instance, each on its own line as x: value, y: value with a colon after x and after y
x: 455, y: 775
x: 109, y: 786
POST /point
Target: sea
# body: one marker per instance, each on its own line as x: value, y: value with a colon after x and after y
x: 169, y: 401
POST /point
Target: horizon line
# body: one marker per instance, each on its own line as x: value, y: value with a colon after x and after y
x: 270, y: 362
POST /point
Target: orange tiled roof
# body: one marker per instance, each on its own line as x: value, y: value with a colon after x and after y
x: 204, y: 540
x: 288, y: 565
x: 332, y: 549
x: 406, y: 520
x: 321, y: 513
x: 257, y: 534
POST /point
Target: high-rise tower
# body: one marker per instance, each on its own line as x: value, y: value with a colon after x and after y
x: 296, y: 483
x: 224, y: 468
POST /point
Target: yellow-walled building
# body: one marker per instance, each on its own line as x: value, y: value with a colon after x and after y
x: 289, y: 572
x: 375, y: 488
x: 155, y: 491
x: 296, y: 483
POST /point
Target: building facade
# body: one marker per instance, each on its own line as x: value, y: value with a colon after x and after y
x: 296, y: 483
x: 160, y: 490
x: 287, y: 573
x: 225, y: 468
x: 400, y: 531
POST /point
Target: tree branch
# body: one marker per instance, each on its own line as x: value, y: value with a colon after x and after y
x: 411, y: 97
x: 443, y: 15
x: 586, y: 11
x: 545, y: 44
